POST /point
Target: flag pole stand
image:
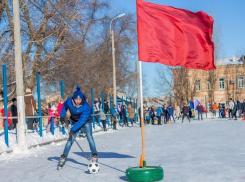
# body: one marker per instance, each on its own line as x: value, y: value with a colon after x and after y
x: 143, y: 172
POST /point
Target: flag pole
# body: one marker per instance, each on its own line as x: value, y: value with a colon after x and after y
x: 141, y: 114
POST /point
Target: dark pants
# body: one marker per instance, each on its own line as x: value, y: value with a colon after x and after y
x: 152, y: 119
x: 114, y: 125
x: 15, y: 121
x: 234, y: 114
x: 148, y: 121
x: 165, y: 119
x: 169, y: 117
x: 200, y: 114
x: 140, y: 120
x: 159, y: 120
x: 184, y: 117
x: 125, y: 120
x: 30, y: 123
x: 230, y: 113
x: 104, y: 123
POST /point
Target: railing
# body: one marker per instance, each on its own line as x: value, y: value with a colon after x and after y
x: 5, y: 119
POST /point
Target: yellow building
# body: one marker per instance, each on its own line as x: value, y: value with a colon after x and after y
x: 227, y: 81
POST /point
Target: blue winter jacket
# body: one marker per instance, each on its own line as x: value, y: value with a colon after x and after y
x: 199, y: 108
x: 80, y: 114
x: 170, y: 110
x: 235, y: 107
x: 113, y: 112
x: 159, y: 111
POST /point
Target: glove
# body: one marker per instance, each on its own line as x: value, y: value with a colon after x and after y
x: 62, y: 120
x: 71, y: 133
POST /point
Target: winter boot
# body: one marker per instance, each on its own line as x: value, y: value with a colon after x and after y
x: 62, y: 161
x: 95, y: 158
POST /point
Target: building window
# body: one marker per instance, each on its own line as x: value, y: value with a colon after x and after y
x: 198, y: 85
x: 221, y: 83
x: 240, y: 80
x: 208, y: 85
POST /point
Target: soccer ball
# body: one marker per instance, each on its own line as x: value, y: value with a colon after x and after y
x: 93, y: 168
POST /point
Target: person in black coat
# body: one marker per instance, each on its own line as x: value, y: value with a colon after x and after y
x: 185, y: 112
x: 14, y: 112
x: 165, y: 113
x: 199, y: 111
x: 190, y: 112
x: 152, y: 115
x: 243, y: 107
x: 106, y: 106
x: 123, y: 113
x: 239, y: 108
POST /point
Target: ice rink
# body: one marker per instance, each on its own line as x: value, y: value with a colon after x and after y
x: 212, y: 150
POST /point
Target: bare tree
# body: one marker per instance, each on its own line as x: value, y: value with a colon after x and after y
x: 212, y: 74
x: 70, y: 40
x: 178, y: 83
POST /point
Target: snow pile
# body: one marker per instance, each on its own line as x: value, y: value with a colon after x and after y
x: 33, y: 138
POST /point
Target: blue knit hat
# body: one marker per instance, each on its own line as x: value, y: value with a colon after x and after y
x: 78, y: 94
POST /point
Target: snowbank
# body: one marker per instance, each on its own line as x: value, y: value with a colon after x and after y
x: 33, y: 138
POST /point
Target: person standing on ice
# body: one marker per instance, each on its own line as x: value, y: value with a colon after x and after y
x: 185, y: 111
x: 81, y: 121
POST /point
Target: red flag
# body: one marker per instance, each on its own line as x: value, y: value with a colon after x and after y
x: 175, y: 37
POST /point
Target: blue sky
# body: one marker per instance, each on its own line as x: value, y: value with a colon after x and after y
x: 229, y: 15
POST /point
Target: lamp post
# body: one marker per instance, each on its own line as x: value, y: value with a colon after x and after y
x: 113, y: 58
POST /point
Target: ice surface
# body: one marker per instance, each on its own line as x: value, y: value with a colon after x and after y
x: 212, y: 150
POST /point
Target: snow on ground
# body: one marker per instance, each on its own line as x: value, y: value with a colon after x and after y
x: 200, y: 151
x: 33, y: 137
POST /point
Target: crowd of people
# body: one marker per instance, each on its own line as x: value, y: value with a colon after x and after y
x: 234, y: 109
x: 125, y: 115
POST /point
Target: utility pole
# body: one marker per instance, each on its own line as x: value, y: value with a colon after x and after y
x: 113, y: 59
x: 114, y: 68
x: 21, y: 126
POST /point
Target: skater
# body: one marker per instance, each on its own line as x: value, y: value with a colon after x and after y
x: 214, y: 107
x: 10, y: 126
x: 159, y: 113
x: 243, y: 107
x: 114, y: 117
x: 234, y: 111
x: 152, y: 113
x: 185, y: 112
x: 131, y: 114
x: 165, y: 113
x: 177, y: 112
x: 170, y: 113
x: 199, y: 111
x: 231, y: 106
x: 81, y: 121
x: 30, y: 107
x: 52, y: 112
x: 123, y: 112
x: 148, y: 116
x: 14, y: 112
x: 103, y: 119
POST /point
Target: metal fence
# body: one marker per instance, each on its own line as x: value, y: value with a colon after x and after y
x: 40, y: 117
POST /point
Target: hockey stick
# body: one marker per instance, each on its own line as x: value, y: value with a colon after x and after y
x: 88, y: 158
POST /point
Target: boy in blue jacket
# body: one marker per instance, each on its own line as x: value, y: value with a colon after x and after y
x: 81, y: 121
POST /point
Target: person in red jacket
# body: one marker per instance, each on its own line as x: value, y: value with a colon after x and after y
x: 51, y: 112
x: 60, y: 105
x: 9, y: 120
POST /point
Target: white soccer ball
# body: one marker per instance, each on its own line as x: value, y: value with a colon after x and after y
x: 93, y: 168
